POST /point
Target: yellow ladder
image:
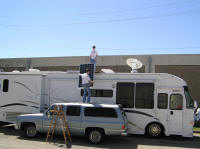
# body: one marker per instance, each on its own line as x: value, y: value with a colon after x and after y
x: 58, y: 113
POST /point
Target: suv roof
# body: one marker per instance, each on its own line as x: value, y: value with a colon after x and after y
x: 88, y: 104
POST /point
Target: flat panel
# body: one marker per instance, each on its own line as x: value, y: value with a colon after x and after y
x: 82, y: 69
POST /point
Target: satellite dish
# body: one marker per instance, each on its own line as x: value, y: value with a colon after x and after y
x: 134, y: 64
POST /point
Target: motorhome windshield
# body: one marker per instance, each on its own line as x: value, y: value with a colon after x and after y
x: 189, y: 100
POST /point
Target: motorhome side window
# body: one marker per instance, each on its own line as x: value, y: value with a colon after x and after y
x: 5, y: 85
x: 176, y: 102
x: 73, y: 110
x: 100, y: 93
x: 125, y: 94
x: 100, y: 112
x: 162, y: 101
x: 144, y: 95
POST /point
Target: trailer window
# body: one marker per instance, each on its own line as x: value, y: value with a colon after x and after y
x: 162, y: 100
x: 5, y: 85
x: 125, y: 94
x: 73, y: 110
x: 100, y: 112
x: 144, y: 95
x: 99, y: 93
x: 176, y: 102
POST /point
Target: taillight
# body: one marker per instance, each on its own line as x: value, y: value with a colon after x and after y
x: 123, y: 126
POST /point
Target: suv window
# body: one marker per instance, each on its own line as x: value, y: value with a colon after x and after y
x: 100, y: 112
x: 73, y: 110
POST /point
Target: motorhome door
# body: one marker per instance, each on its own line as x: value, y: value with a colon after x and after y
x: 175, y: 113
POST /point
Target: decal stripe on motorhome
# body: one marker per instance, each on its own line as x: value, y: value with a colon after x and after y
x: 138, y: 112
x: 24, y: 86
x: 131, y: 123
x: 35, y: 107
x: 30, y: 102
x: 13, y: 104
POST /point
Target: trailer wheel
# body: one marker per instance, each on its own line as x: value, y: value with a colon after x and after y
x: 154, y: 130
x: 29, y: 131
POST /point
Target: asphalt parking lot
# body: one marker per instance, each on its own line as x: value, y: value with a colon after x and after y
x: 9, y: 139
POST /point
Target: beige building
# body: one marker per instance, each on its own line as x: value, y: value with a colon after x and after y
x: 184, y: 66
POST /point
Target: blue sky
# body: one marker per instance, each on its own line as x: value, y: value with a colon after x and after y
x: 48, y: 28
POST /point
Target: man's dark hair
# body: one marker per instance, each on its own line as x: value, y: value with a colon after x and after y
x: 87, y: 70
x: 93, y: 47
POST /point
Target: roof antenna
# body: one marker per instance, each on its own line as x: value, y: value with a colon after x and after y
x: 134, y: 64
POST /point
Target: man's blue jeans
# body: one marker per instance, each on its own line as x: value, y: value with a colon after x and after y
x: 86, y: 90
x: 92, y: 61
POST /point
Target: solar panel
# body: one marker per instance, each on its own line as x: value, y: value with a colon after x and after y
x: 82, y: 70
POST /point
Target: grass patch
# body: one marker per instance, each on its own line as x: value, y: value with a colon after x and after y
x: 196, y: 129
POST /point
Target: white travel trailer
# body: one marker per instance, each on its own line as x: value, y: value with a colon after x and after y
x: 154, y: 103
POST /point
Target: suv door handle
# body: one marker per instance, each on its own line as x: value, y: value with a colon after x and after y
x: 171, y: 112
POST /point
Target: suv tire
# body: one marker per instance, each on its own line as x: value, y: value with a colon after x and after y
x: 29, y: 131
x: 95, y: 136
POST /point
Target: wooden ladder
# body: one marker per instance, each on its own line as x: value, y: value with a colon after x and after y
x: 58, y: 113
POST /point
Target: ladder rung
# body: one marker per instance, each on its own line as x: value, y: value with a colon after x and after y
x: 60, y: 115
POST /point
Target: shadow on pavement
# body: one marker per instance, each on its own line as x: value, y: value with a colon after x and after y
x: 115, y: 142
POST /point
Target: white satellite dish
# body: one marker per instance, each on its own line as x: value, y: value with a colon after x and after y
x: 134, y: 64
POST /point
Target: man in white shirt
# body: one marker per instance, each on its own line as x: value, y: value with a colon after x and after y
x: 86, y: 85
x: 93, y: 57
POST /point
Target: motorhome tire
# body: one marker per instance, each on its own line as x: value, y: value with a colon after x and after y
x: 154, y: 130
x: 29, y: 131
x: 95, y: 136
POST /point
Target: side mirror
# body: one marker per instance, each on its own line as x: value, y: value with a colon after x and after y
x: 195, y: 104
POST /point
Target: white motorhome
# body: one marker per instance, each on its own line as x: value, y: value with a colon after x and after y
x: 154, y: 103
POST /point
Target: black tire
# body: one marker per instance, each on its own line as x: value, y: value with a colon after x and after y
x: 29, y: 131
x: 154, y: 130
x: 95, y: 136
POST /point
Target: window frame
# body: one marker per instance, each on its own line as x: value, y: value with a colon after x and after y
x: 182, y: 102
x: 153, y: 105
x: 101, y: 108
x: 167, y: 101
x: 77, y: 106
x: 96, y: 92
x: 134, y: 86
x: 5, y: 88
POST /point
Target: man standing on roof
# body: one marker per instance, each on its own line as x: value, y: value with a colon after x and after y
x: 93, y: 57
x: 86, y: 85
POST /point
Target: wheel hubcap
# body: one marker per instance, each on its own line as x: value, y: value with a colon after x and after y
x: 155, y: 130
x: 31, y: 131
x: 95, y: 136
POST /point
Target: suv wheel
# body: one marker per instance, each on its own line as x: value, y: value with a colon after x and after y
x: 29, y: 131
x: 95, y: 136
